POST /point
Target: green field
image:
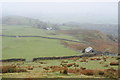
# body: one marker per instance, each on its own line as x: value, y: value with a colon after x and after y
x: 33, y: 47
x: 27, y: 30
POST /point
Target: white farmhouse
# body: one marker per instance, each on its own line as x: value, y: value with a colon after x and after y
x: 87, y: 50
x: 49, y: 28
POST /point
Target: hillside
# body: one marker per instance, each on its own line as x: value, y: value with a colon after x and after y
x: 96, y: 39
x: 33, y: 47
x: 25, y: 21
x: 51, y: 45
x: 111, y: 29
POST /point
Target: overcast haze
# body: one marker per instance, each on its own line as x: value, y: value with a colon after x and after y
x: 101, y: 12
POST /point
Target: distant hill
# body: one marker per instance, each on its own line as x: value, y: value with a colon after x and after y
x: 20, y: 20
x: 85, y: 34
x: 107, y: 28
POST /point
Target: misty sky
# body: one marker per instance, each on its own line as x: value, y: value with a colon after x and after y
x: 60, y: 12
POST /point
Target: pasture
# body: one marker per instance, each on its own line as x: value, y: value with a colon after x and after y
x: 34, y: 47
x: 29, y: 48
x: 27, y: 30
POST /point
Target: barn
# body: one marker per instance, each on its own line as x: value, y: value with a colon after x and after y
x: 88, y: 50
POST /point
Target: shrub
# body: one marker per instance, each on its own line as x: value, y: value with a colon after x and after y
x: 64, y: 62
x: 46, y: 68
x: 65, y: 71
x: 88, y: 72
x: 30, y: 68
x: 76, y: 65
x: 114, y: 63
x: 106, y: 65
x: 111, y: 73
x: 101, y: 73
x: 83, y: 68
x: 11, y: 69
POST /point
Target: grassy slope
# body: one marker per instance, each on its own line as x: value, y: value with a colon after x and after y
x: 96, y: 39
x: 32, y: 47
x: 26, y: 30
x: 39, y: 72
x: 35, y: 47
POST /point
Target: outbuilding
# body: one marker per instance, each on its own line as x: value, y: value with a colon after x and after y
x: 88, y: 50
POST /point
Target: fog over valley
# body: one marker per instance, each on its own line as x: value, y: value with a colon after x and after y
x: 100, y: 16
x: 82, y: 12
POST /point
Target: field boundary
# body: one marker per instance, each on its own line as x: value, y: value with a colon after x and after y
x: 96, y: 53
x: 44, y: 37
x: 64, y: 57
x: 49, y: 58
x: 56, y: 58
x: 53, y: 58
